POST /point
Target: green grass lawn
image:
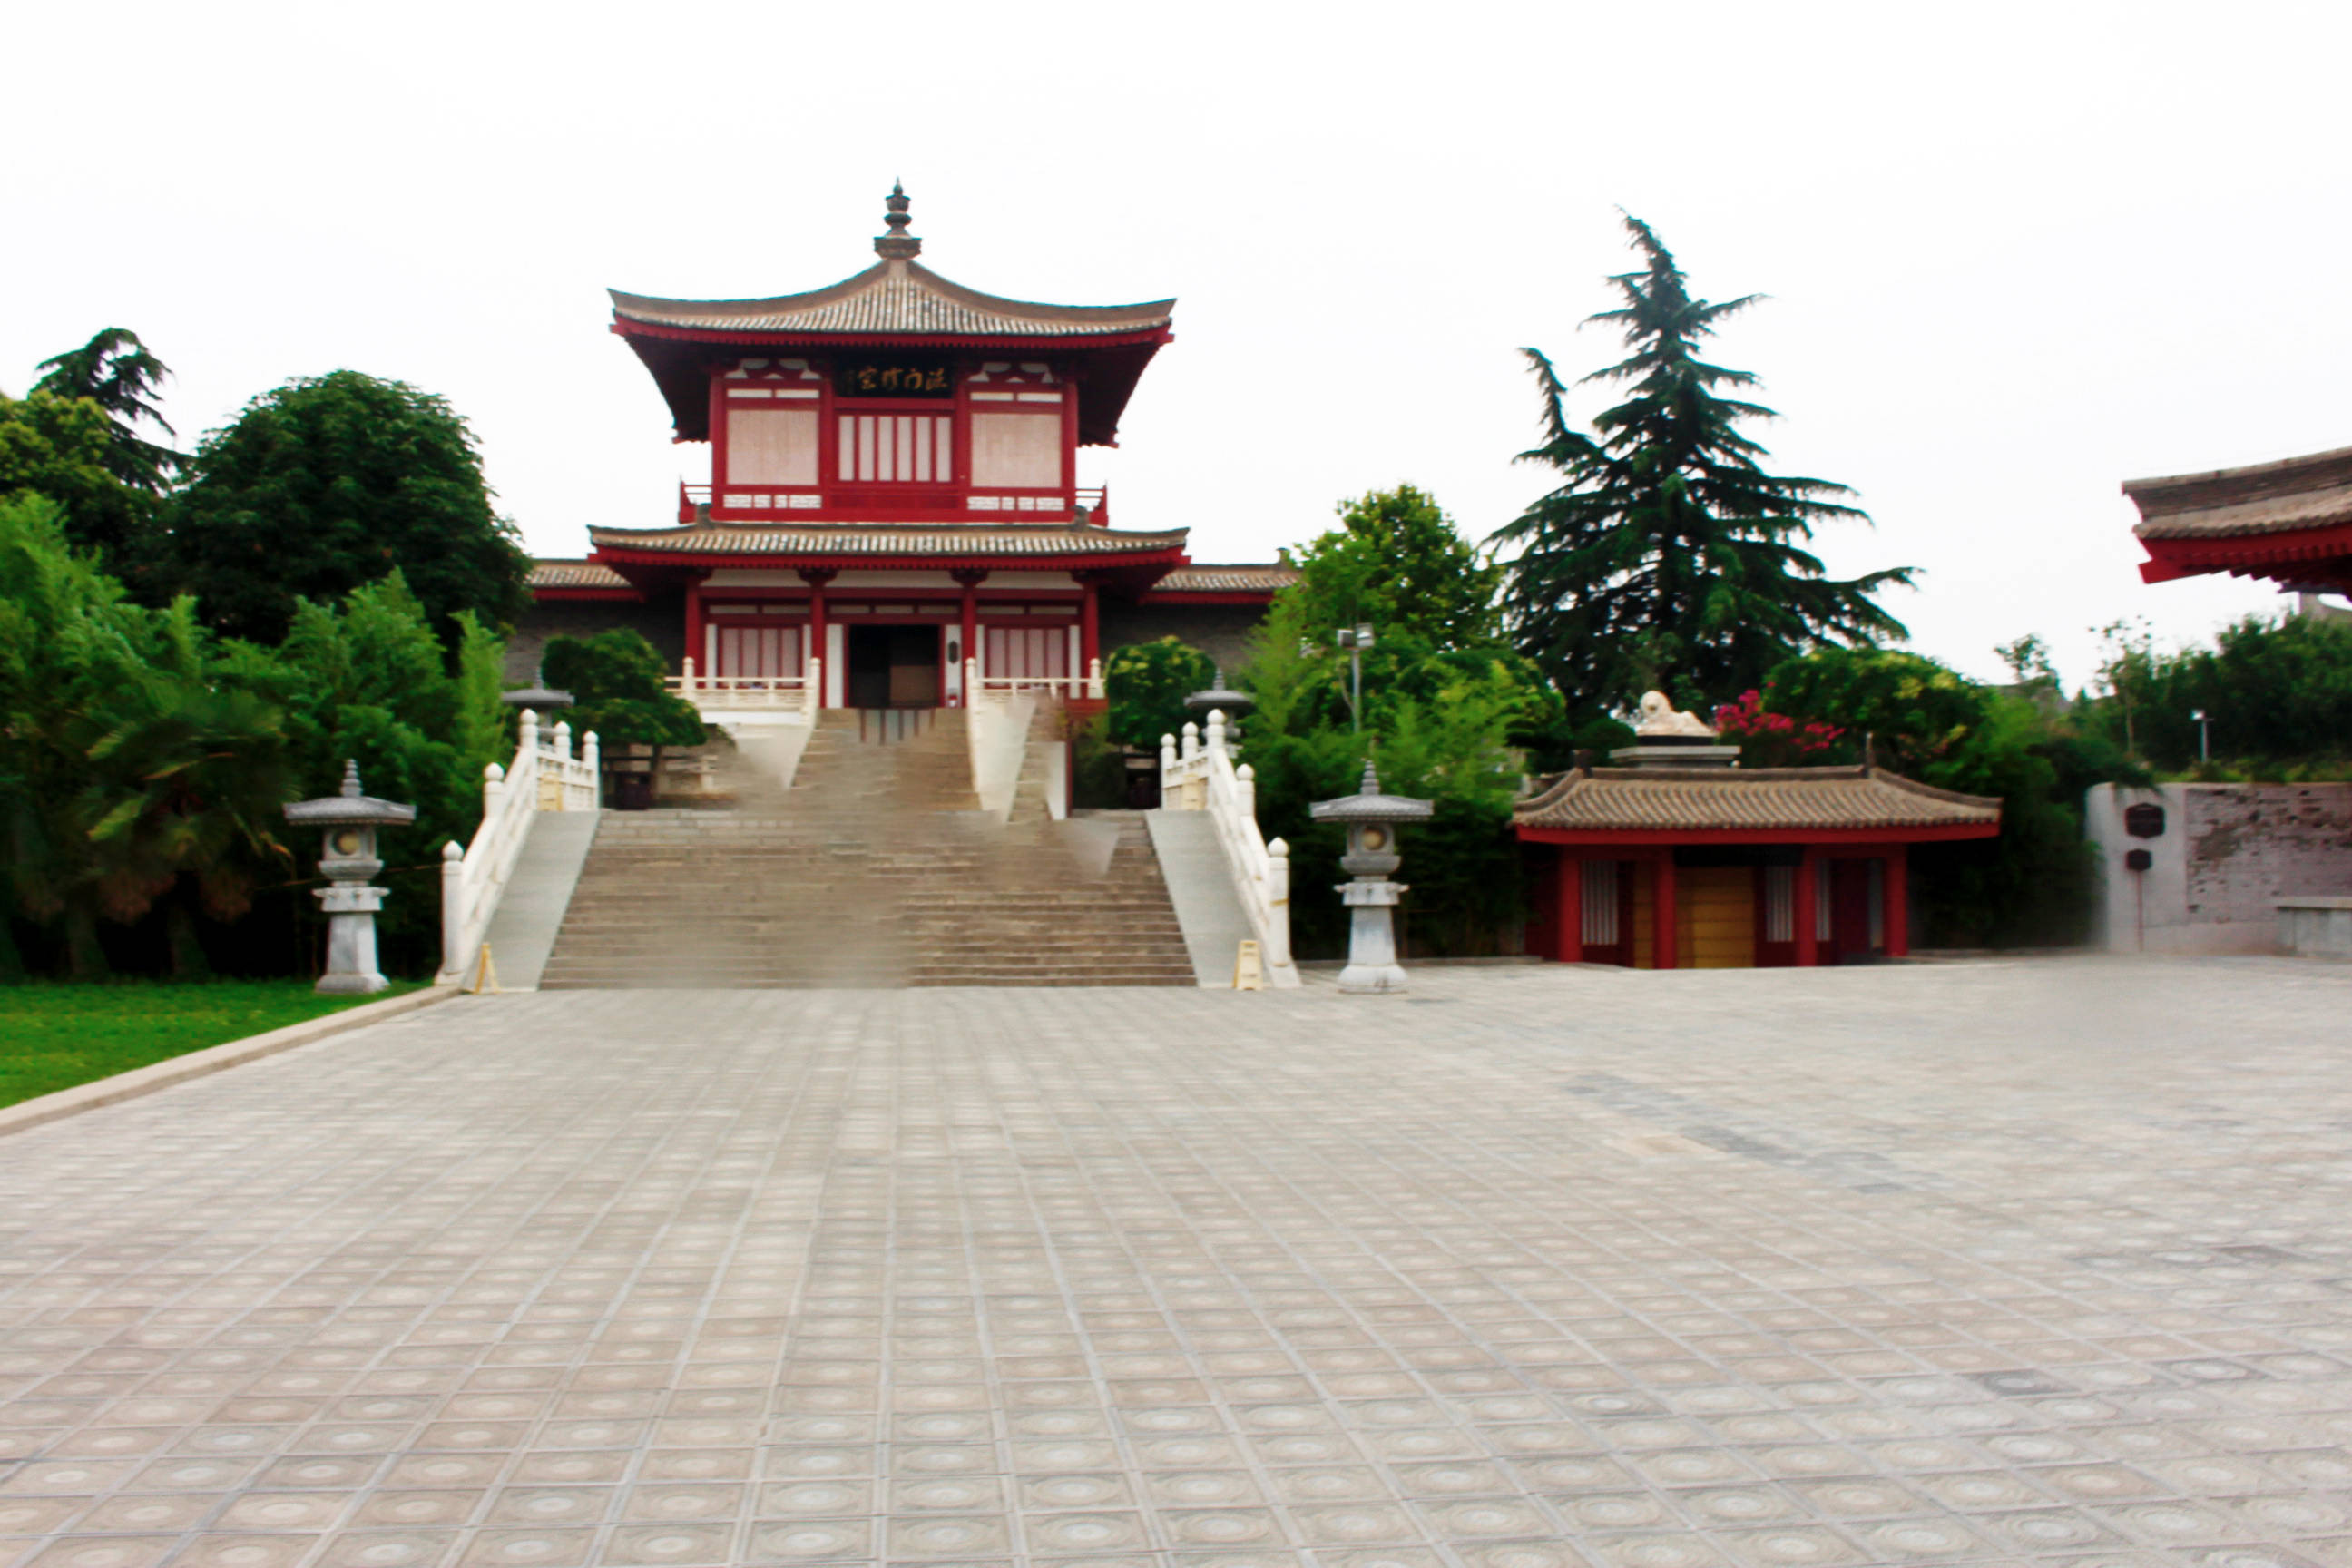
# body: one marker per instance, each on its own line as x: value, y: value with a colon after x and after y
x: 54, y: 1036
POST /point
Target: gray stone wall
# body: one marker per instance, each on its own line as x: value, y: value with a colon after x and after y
x: 1221, y: 631
x: 2226, y: 855
x: 661, y: 621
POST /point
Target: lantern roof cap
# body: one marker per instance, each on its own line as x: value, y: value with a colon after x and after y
x: 348, y: 807
x: 1368, y: 805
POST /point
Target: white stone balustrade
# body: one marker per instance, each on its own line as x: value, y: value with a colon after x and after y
x: 545, y: 776
x: 1200, y: 775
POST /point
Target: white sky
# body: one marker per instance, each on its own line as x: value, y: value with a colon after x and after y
x: 2015, y: 253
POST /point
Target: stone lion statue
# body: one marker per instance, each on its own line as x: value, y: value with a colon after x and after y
x: 1659, y: 717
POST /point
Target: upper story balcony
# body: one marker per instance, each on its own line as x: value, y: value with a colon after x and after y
x: 1085, y: 504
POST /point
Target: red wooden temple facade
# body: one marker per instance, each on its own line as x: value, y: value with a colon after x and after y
x: 893, y: 499
x: 1664, y: 865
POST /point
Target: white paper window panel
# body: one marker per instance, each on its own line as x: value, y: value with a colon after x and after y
x: 1599, y: 880
x: 898, y: 448
x: 760, y: 653
x: 1017, y: 451
x: 1024, y: 653
x: 772, y: 445
x: 1780, y: 903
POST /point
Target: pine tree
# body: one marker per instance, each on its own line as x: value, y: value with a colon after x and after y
x: 122, y: 376
x: 1667, y: 557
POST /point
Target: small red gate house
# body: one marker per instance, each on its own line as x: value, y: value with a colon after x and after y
x: 1682, y: 859
x: 893, y: 500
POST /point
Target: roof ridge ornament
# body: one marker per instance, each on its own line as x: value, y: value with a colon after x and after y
x: 898, y: 245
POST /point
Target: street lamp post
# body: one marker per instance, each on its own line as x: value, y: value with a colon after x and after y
x: 1356, y: 639
x: 2204, y: 735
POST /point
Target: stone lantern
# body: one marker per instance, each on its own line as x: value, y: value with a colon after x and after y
x: 1370, y: 818
x: 349, y: 859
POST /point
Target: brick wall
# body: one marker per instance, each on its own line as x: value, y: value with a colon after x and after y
x: 661, y: 620
x: 1221, y: 631
x: 2228, y: 853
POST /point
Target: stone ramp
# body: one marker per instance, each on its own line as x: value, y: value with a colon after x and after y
x: 1200, y: 890
x: 874, y: 870
x: 538, y: 891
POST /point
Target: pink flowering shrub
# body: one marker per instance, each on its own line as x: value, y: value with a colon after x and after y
x: 1771, y: 740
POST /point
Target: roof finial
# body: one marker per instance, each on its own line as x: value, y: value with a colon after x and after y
x: 897, y: 244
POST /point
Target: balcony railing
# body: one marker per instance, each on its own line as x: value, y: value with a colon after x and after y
x: 1091, y: 503
x: 751, y: 693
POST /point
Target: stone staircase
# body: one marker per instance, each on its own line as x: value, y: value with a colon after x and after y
x: 873, y: 871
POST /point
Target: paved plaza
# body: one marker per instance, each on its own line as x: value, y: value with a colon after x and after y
x: 2001, y: 1262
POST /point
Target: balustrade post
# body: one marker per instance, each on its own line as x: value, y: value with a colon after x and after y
x: 813, y: 686
x: 1094, y: 678
x: 971, y: 682
x: 564, y: 739
x: 687, y: 667
x: 1167, y: 785
x: 452, y: 908
x: 527, y: 733
x: 1217, y: 730
x: 1277, y: 901
x: 1245, y: 791
x: 1192, y: 740
x: 494, y: 785
x: 590, y: 759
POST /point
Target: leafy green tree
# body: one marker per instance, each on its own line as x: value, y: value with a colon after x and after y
x: 2277, y: 694
x: 1666, y: 557
x: 367, y: 680
x: 1397, y: 562
x: 117, y: 372
x: 1147, y: 683
x: 61, y: 449
x: 330, y: 482
x: 618, y: 680
x: 131, y: 772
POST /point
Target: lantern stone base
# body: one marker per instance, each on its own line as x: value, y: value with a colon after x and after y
x: 351, y: 941
x: 1372, y: 968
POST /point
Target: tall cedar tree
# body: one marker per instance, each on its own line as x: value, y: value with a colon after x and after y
x: 122, y: 376
x: 1667, y: 556
x: 333, y: 481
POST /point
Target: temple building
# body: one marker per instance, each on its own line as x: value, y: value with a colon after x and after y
x: 1679, y: 858
x: 2289, y: 521
x: 893, y: 512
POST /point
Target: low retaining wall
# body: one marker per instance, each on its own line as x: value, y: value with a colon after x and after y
x: 2315, y: 928
x: 2228, y: 856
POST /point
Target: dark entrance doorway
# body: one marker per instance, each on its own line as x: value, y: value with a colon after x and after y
x: 892, y: 667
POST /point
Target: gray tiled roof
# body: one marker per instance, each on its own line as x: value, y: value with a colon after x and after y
x: 1227, y: 579
x: 1708, y: 799
x: 574, y: 575
x: 848, y: 539
x: 895, y: 296
x: 2313, y: 491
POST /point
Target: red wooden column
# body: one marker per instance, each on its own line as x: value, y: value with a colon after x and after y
x: 694, y: 639
x: 1662, y: 931
x: 1899, y: 901
x: 1568, y: 946
x: 816, y: 577
x: 1809, y: 947
x: 970, y: 579
x: 1089, y: 627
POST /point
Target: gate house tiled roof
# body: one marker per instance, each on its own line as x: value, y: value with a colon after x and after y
x: 852, y: 540
x: 1701, y: 800
x: 2313, y: 491
x: 895, y: 295
x: 1227, y: 579
x: 574, y: 575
